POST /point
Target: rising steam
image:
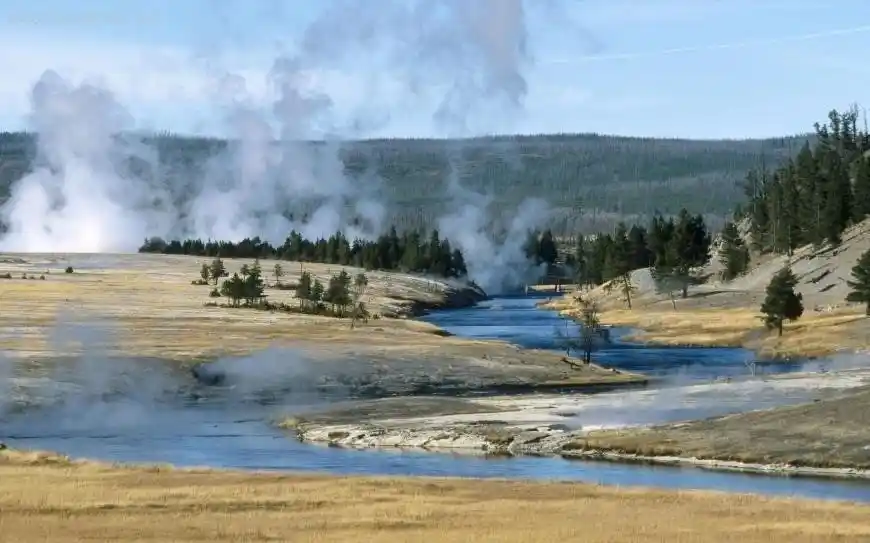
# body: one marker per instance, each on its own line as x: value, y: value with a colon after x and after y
x: 95, y: 188
x: 78, y: 197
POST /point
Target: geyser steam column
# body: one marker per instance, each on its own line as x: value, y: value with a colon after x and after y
x: 79, y: 196
x: 492, y: 57
x: 85, y: 195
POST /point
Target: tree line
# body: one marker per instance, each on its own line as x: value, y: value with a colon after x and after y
x: 810, y: 200
x: 672, y: 247
x: 814, y: 197
x: 408, y: 252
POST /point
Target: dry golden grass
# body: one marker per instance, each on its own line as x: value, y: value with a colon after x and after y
x: 831, y: 433
x: 62, y: 502
x: 815, y: 334
x: 150, y: 295
x: 161, y: 313
x: 155, y: 311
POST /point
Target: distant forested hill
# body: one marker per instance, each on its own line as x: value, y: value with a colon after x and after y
x: 607, y: 177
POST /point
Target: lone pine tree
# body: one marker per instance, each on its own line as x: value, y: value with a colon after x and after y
x: 860, y: 284
x: 591, y: 327
x: 782, y: 303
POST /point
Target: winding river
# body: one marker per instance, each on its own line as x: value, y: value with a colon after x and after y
x: 214, y: 429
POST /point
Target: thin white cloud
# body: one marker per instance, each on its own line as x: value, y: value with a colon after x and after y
x: 619, y: 13
x: 779, y: 40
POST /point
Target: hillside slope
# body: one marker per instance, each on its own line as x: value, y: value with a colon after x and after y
x: 727, y: 313
x: 607, y: 176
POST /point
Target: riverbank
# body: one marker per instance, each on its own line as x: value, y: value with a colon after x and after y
x: 73, y: 501
x: 827, y: 434
x: 825, y: 437
x: 817, y: 334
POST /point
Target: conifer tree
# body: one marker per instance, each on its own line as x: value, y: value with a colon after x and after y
x: 781, y: 302
x: 860, y: 283
x: 836, y: 189
x: 659, y: 239
x: 732, y: 252
x: 861, y: 189
x: 254, y: 286
x: 217, y: 269
x: 596, y: 261
x: 689, y: 247
x: 315, y: 296
x: 547, y: 251
x: 618, y: 262
x: 639, y: 248
x: 758, y: 189
x: 303, y: 289
x: 338, y: 292
x: 810, y: 207
x: 458, y: 263
x: 789, y: 216
x: 234, y: 289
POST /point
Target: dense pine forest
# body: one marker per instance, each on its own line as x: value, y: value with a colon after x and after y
x: 814, y: 197
x: 811, y: 199
x: 409, y: 252
x: 609, y: 178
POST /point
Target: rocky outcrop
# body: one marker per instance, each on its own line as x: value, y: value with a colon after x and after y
x: 489, y: 438
x: 547, y: 440
x: 454, y: 296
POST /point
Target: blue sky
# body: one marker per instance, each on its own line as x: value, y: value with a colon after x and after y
x: 633, y: 67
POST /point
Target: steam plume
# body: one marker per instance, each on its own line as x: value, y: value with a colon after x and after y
x: 96, y: 189
x: 79, y: 197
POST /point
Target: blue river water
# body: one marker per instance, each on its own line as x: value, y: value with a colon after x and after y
x: 518, y: 320
x: 211, y: 435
